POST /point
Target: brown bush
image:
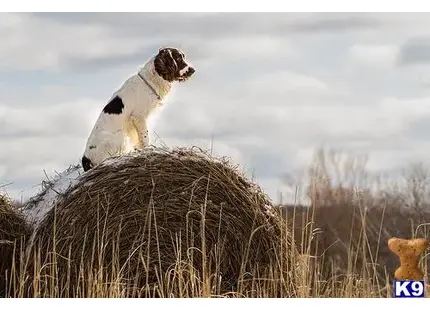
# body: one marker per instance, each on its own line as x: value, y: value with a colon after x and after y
x: 142, y: 221
x: 353, y: 212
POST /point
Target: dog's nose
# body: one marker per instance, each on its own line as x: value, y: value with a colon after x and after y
x: 191, y: 70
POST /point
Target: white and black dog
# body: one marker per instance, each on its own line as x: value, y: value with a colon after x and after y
x: 127, y: 112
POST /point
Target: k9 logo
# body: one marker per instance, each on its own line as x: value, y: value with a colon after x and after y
x: 407, y: 288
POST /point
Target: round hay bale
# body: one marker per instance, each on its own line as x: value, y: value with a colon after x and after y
x: 13, y: 232
x: 160, y: 222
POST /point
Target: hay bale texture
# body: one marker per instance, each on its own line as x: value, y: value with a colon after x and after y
x: 13, y: 234
x: 149, y: 219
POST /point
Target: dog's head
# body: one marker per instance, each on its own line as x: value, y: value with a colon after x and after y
x: 171, y: 65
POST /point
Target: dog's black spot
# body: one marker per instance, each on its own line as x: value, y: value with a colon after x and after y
x: 115, y: 106
x: 86, y: 163
x: 92, y: 147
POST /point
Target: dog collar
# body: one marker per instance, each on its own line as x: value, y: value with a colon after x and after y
x: 149, y: 85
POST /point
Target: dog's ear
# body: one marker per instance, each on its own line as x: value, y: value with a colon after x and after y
x: 162, y: 50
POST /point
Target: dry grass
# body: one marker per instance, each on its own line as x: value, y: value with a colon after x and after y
x: 13, y: 234
x: 196, y: 227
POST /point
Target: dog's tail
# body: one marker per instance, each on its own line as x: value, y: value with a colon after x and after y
x: 86, y: 163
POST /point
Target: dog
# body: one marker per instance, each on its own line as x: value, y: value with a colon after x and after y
x: 122, y: 125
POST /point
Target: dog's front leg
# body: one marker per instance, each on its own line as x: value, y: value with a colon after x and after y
x: 142, y: 133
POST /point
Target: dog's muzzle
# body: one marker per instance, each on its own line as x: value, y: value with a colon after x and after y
x: 186, y: 74
x: 190, y: 71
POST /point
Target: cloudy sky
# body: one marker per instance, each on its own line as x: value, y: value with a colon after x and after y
x: 269, y: 88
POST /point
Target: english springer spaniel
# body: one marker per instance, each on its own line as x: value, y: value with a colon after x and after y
x: 126, y: 114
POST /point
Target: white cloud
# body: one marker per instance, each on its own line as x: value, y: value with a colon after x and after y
x: 283, y: 84
x: 67, y: 118
x: 398, y: 156
x: 407, y: 109
x: 383, y: 118
x: 248, y: 48
x: 377, y: 56
x: 32, y: 43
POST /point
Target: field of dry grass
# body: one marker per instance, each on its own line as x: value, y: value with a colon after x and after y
x: 336, y: 247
